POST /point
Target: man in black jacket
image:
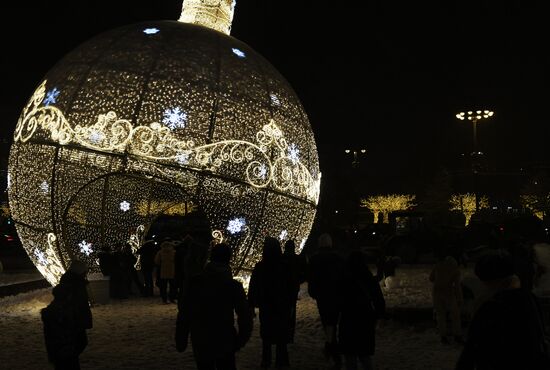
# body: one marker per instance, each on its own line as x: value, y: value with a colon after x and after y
x: 206, y: 312
x: 507, y: 331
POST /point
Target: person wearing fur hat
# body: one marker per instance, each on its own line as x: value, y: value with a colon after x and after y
x: 507, y: 331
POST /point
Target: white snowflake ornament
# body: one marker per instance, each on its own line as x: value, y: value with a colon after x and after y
x: 41, y: 257
x: 45, y: 187
x: 174, y: 118
x: 85, y: 247
x: 236, y: 225
x: 124, y: 206
x: 293, y: 153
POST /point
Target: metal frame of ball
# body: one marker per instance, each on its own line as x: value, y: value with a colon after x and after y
x: 264, y: 178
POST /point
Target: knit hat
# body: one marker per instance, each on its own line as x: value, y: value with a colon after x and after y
x: 78, y: 267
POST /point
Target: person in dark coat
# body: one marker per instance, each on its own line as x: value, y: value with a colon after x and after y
x: 165, y: 262
x: 67, y: 318
x: 119, y: 281
x: 206, y: 312
x: 297, y: 265
x: 507, y: 331
x: 106, y: 261
x: 129, y: 264
x: 273, y: 290
x: 324, y: 284
x: 182, y: 247
x: 362, y: 305
x: 147, y: 253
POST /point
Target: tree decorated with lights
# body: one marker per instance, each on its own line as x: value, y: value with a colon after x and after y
x: 147, y: 117
x: 386, y: 204
x: 535, y: 195
x: 466, y: 204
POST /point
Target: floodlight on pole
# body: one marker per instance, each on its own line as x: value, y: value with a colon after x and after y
x: 475, y: 117
x: 355, y: 153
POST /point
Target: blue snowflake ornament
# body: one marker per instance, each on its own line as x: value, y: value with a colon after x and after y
x: 151, y: 31
x: 51, y: 97
x: 238, y: 52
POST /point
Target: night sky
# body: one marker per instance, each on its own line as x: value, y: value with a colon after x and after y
x: 385, y: 77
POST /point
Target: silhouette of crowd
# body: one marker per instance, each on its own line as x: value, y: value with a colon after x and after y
x: 215, y: 313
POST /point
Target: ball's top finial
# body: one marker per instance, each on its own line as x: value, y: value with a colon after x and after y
x: 215, y: 14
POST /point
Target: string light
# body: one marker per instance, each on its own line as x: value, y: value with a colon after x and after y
x: 466, y: 204
x: 386, y: 204
x: 215, y: 14
x: 191, y: 128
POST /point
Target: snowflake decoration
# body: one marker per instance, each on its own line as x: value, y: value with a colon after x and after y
x: 151, y: 31
x: 262, y: 171
x: 182, y: 158
x: 275, y: 99
x: 41, y: 257
x: 51, y: 96
x: 96, y: 137
x: 85, y: 247
x: 293, y: 153
x: 283, y: 235
x: 45, y: 187
x: 124, y: 206
x: 236, y: 225
x: 238, y: 52
x: 174, y: 118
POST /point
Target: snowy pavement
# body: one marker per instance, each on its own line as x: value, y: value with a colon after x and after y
x: 138, y: 334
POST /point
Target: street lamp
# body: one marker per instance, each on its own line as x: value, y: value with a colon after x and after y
x: 355, y: 153
x: 474, y: 117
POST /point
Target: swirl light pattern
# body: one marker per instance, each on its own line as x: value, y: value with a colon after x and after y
x: 133, y: 125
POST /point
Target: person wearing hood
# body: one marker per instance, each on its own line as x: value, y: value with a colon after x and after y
x: 507, y: 331
x: 206, y: 313
x: 273, y: 290
x: 67, y: 318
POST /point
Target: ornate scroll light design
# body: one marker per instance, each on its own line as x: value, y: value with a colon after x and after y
x: 283, y: 171
x: 217, y: 236
x: 135, y: 242
x: 48, y: 262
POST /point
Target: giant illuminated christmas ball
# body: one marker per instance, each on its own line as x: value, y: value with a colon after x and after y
x: 149, y: 116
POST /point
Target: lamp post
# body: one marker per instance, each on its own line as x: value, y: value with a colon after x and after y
x: 475, y: 117
x: 355, y: 153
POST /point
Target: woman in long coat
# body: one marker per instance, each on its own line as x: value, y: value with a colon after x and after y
x: 362, y: 305
x: 271, y: 289
x: 165, y: 261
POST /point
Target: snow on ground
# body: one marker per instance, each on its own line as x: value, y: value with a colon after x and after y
x: 138, y: 334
